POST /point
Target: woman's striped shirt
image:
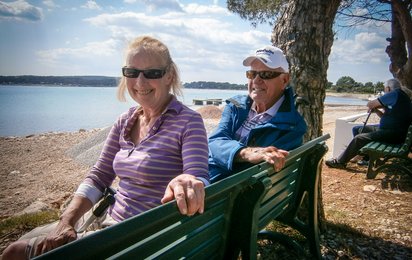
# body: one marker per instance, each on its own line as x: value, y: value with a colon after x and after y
x: 175, y: 144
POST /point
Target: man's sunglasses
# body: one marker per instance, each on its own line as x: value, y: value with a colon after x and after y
x: 265, y: 74
x: 149, y: 74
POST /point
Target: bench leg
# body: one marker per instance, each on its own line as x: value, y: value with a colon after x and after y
x: 376, y: 164
x: 372, y: 165
x: 401, y: 168
x: 283, y: 239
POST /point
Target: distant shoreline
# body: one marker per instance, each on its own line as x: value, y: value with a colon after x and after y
x: 363, y: 96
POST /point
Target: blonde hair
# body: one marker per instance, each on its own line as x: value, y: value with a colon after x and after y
x: 156, y: 48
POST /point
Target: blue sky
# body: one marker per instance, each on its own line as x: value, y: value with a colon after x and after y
x: 208, y: 43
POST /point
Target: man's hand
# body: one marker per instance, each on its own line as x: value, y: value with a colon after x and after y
x: 270, y: 154
x: 189, y: 193
x: 61, y: 235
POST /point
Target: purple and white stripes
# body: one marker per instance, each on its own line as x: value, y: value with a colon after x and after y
x: 175, y: 144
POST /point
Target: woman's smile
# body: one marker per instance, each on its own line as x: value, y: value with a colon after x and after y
x: 144, y: 92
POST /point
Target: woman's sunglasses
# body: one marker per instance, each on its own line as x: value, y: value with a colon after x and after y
x: 149, y: 74
x: 265, y: 74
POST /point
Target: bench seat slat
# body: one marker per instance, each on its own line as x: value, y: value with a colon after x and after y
x: 179, y: 246
x: 276, y: 211
x: 282, y: 181
x: 213, y: 221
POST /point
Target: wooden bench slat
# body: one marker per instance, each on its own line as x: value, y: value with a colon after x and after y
x: 211, y: 225
x: 281, y: 181
x: 180, y: 247
x: 273, y: 209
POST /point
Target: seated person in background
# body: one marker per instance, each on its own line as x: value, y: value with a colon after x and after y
x: 157, y: 149
x: 393, y: 125
x: 359, y: 129
x: 260, y: 126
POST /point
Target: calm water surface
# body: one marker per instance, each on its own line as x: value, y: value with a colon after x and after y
x: 28, y: 110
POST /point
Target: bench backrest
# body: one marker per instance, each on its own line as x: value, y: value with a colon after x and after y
x: 406, y: 146
x: 281, y: 194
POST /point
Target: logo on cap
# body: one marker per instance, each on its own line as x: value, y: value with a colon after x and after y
x: 265, y: 51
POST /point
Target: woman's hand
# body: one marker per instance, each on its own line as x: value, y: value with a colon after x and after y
x: 189, y: 193
x: 61, y: 235
x: 64, y: 231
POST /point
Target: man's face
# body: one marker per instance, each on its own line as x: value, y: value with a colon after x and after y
x: 266, y: 92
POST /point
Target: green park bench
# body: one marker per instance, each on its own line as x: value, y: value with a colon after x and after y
x: 380, y: 155
x: 280, y: 196
x: 236, y: 209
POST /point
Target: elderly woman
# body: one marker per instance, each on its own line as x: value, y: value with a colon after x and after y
x: 157, y: 149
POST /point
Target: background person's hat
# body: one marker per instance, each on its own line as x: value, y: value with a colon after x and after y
x: 271, y: 56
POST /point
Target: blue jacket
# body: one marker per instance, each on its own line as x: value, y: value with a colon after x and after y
x: 285, y: 131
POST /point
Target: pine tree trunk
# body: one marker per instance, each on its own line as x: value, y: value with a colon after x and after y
x: 400, y: 53
x: 304, y: 32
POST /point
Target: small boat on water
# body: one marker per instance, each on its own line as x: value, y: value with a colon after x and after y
x: 210, y: 101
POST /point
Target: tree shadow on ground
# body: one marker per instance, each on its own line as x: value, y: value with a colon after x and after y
x: 390, y: 178
x: 341, y: 241
x: 338, y: 241
x: 395, y: 181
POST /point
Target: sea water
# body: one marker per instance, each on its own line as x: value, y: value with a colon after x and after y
x: 26, y: 110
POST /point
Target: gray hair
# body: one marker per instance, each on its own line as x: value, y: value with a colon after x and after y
x: 393, y: 84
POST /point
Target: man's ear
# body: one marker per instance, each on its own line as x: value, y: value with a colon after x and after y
x: 285, y: 79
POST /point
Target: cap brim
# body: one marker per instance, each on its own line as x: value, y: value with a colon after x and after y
x: 248, y: 61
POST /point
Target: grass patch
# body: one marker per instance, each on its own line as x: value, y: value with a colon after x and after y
x: 277, y: 226
x: 335, y: 215
x: 28, y: 221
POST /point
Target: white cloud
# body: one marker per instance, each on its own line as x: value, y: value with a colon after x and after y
x: 89, y: 51
x: 197, y: 42
x: 91, y: 4
x: 203, y: 9
x: 153, y: 5
x: 50, y: 4
x: 20, y: 10
x: 365, y: 47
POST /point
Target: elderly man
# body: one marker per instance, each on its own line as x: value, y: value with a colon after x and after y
x: 260, y: 126
x: 393, y: 125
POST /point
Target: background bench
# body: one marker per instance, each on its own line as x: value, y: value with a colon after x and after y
x: 237, y: 208
x: 380, y: 154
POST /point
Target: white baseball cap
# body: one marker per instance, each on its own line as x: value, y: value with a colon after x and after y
x: 271, y: 56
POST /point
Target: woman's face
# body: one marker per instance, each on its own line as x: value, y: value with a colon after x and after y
x: 149, y: 93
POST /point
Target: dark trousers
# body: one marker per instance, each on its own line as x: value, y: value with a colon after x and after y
x: 370, y: 133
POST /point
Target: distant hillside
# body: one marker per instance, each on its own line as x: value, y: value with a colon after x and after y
x: 94, y: 81
x: 101, y: 81
x: 214, y: 85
